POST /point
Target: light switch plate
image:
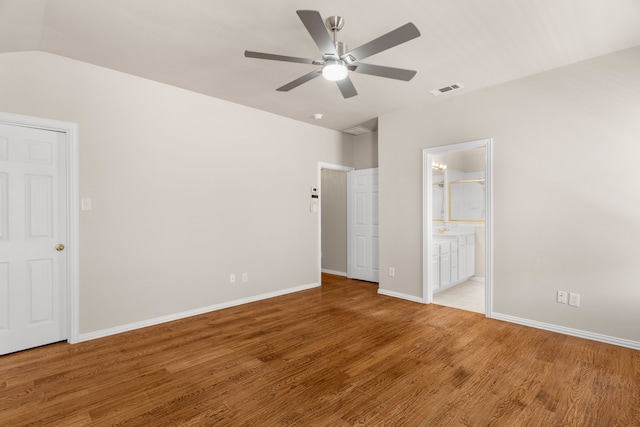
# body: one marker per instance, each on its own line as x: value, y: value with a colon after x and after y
x: 562, y: 297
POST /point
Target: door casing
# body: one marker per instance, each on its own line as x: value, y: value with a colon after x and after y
x: 71, y: 152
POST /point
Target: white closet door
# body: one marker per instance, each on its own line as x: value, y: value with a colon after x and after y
x: 33, y: 300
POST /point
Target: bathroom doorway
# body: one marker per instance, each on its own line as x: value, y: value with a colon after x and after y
x: 457, y: 226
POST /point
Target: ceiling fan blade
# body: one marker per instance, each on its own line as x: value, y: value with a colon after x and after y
x: 393, y: 38
x: 346, y: 87
x: 315, y: 26
x: 260, y: 55
x: 382, y: 71
x: 297, y: 82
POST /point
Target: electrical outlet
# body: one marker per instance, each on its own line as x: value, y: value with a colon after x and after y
x: 232, y: 278
x: 574, y: 299
x: 245, y: 277
x: 562, y: 297
x: 392, y: 271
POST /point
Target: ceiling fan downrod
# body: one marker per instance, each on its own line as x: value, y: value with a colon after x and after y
x: 335, y: 24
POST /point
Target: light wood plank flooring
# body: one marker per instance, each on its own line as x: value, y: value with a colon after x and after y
x: 339, y: 355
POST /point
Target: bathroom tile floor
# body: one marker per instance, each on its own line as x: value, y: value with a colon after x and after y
x: 467, y: 295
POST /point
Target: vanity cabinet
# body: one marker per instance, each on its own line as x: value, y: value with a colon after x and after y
x: 441, y: 264
x: 453, y: 260
x: 435, y: 266
x: 445, y: 264
x: 471, y: 255
x: 462, y: 256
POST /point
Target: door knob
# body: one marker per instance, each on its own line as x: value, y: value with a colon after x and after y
x: 59, y: 247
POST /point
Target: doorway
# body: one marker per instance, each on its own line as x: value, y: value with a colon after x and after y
x: 457, y: 229
x: 360, y: 219
x: 333, y: 219
x: 333, y: 189
x: 38, y: 232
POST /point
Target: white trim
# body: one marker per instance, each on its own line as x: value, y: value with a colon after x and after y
x: 337, y: 273
x: 427, y: 217
x: 71, y: 150
x: 427, y: 225
x: 341, y: 168
x: 176, y: 316
x: 399, y: 295
x: 568, y: 331
x: 488, y: 229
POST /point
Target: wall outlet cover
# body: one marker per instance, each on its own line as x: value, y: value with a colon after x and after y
x: 574, y: 299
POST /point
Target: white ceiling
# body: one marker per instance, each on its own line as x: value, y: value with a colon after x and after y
x: 199, y: 45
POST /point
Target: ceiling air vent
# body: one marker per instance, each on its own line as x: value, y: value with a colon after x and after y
x: 358, y: 130
x: 446, y: 89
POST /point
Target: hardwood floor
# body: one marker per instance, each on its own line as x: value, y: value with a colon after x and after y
x: 339, y: 355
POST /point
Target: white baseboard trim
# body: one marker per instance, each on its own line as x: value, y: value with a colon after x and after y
x: 568, y: 331
x: 176, y: 316
x: 399, y: 295
x: 337, y: 273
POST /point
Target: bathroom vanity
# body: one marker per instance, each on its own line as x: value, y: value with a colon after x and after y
x: 453, y: 258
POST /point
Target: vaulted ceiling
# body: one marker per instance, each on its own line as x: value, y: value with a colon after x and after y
x: 199, y: 45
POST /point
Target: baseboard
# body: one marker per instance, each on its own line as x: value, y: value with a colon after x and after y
x: 568, y: 331
x: 337, y: 273
x: 176, y: 316
x: 399, y: 295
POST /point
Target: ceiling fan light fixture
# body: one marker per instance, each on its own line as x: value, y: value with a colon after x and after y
x: 334, y: 70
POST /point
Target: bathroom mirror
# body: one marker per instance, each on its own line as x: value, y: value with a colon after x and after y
x: 438, y: 201
x: 466, y: 200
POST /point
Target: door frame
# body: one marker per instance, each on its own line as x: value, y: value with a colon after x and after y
x: 70, y: 130
x: 341, y: 168
x: 427, y: 217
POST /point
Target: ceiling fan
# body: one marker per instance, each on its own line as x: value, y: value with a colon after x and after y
x: 336, y: 61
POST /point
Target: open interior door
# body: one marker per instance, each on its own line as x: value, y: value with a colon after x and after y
x: 363, y: 225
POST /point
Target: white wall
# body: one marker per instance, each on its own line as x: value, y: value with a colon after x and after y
x: 186, y: 189
x: 366, y: 151
x: 565, y: 185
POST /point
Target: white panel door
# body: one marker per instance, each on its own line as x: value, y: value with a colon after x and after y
x: 363, y: 224
x: 33, y: 302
